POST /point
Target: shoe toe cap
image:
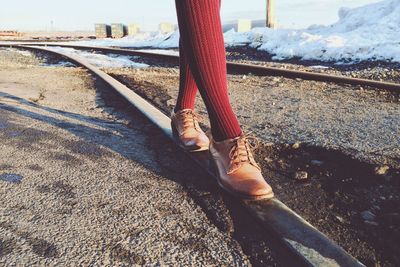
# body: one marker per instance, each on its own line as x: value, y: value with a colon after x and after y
x: 202, y: 140
x: 252, y: 184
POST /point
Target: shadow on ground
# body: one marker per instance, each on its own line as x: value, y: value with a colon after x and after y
x: 153, y: 151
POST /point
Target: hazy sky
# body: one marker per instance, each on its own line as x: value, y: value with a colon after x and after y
x: 82, y: 14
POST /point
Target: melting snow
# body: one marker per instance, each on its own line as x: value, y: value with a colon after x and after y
x: 100, y: 60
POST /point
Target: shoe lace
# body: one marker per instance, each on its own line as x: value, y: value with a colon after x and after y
x: 241, y: 152
x: 190, y: 119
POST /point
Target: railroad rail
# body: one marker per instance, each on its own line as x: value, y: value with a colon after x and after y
x: 301, y: 239
x: 241, y: 67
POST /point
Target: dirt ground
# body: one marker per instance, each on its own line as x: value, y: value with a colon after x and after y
x: 346, y: 140
x: 363, y: 123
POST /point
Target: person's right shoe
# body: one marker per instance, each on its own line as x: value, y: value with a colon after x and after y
x: 236, y: 170
x: 186, y: 128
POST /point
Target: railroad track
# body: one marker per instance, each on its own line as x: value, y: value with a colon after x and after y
x: 301, y: 239
x: 239, y: 67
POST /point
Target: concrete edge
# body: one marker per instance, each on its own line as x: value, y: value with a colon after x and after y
x: 300, y: 237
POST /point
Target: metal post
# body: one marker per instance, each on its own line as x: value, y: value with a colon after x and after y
x: 270, y: 22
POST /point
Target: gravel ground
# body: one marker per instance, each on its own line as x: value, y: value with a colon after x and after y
x: 331, y: 151
x: 81, y: 185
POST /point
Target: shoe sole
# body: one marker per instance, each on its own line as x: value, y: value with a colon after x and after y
x: 186, y: 148
x: 214, y: 170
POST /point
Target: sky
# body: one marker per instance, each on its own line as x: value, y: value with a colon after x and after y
x: 75, y: 15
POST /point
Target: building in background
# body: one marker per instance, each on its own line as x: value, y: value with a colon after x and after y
x: 244, y: 25
x: 133, y: 29
x: 166, y: 27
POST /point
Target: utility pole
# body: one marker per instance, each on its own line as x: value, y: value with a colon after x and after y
x: 270, y: 22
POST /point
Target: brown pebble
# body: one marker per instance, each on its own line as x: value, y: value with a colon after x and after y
x: 296, y: 145
x: 382, y: 170
x: 301, y: 175
x: 268, y: 160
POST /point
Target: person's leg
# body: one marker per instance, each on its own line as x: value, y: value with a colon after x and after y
x: 187, y: 84
x: 184, y: 120
x: 230, y: 150
x: 202, y: 40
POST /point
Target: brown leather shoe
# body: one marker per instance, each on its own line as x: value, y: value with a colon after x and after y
x: 236, y: 169
x: 185, y: 126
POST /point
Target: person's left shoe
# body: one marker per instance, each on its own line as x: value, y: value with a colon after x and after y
x: 236, y: 170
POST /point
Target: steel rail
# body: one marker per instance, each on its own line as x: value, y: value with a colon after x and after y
x: 303, y: 240
x: 243, y: 68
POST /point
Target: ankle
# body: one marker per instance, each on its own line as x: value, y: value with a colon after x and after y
x: 219, y: 137
x: 180, y: 108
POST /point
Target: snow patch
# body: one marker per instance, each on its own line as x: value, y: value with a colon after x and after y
x: 146, y: 39
x: 100, y: 60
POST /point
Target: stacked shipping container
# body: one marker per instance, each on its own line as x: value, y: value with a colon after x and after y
x: 118, y: 30
x: 102, y: 30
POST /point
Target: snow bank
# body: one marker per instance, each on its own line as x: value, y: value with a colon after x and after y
x: 146, y: 39
x: 370, y: 32
x: 102, y: 61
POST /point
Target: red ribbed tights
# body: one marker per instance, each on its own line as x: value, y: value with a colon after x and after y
x: 203, y: 65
